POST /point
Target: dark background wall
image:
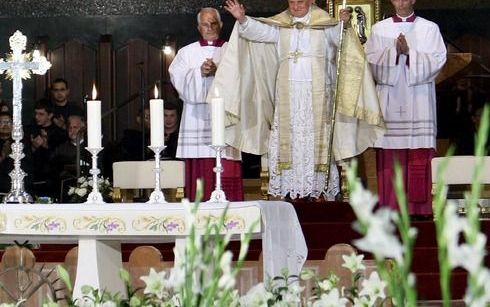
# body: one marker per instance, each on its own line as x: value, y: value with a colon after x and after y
x: 59, y: 21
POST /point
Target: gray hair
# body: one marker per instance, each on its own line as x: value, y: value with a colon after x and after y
x: 209, y: 9
x: 75, y: 117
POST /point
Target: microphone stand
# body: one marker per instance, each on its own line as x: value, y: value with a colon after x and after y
x: 77, y: 140
x: 142, y: 124
x: 143, y: 100
x: 77, y: 165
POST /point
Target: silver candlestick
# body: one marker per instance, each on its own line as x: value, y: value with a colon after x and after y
x: 218, y: 195
x: 157, y: 197
x: 95, y: 197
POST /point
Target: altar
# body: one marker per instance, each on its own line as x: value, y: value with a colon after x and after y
x: 99, y: 231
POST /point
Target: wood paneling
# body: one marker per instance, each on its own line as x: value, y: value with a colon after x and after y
x: 76, y: 63
x: 138, y: 68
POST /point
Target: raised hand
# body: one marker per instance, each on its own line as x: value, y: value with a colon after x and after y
x: 345, y: 15
x: 236, y: 9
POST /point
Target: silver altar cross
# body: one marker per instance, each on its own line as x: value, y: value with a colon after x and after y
x: 295, y: 55
x: 19, y: 66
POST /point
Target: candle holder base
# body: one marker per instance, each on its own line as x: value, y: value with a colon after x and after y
x: 157, y: 197
x: 95, y: 198
x: 18, y: 197
x: 218, y: 195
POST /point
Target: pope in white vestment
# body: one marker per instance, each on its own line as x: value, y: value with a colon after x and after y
x: 281, y: 97
x: 406, y: 53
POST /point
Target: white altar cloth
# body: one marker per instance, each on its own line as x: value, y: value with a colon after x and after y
x: 99, y: 230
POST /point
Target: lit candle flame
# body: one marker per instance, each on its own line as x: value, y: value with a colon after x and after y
x: 94, y: 92
x: 216, y: 92
x: 155, y: 92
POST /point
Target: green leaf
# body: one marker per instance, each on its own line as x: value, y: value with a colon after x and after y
x: 124, y: 276
x: 65, y: 277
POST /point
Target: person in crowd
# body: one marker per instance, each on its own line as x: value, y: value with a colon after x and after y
x: 43, y: 138
x: 4, y: 107
x: 70, y: 159
x: 406, y: 53
x: 131, y: 146
x: 5, y: 150
x: 192, y: 72
x: 171, y: 124
x: 62, y: 107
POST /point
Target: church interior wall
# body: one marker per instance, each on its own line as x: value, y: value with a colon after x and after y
x: 86, y: 21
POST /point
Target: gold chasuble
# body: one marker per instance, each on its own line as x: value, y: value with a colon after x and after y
x: 252, y: 79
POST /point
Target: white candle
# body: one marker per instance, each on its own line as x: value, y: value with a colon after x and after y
x: 156, y: 120
x: 94, y: 121
x: 217, y: 120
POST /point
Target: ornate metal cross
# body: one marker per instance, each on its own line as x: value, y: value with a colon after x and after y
x: 18, y: 66
x: 295, y: 55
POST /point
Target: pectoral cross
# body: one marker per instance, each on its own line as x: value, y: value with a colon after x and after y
x: 19, y: 66
x: 401, y: 111
x: 295, y: 55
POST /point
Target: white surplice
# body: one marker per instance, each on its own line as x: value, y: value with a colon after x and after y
x: 301, y: 180
x: 405, y: 85
x: 195, y: 124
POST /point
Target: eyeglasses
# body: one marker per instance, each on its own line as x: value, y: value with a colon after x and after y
x: 5, y: 122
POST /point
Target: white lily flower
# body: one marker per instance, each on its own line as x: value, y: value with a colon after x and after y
x: 226, y: 281
x: 483, y: 280
x: 470, y: 257
x: 176, y: 278
x: 353, y: 262
x: 373, y: 288
x: 331, y: 299
x: 381, y: 243
x: 257, y: 296
x: 155, y: 283
x: 85, y: 303
x: 363, y: 202
x: 454, y: 224
x: 71, y: 191
x: 225, y: 262
x: 326, y: 285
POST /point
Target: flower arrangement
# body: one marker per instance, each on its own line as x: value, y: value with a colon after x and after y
x: 79, y: 193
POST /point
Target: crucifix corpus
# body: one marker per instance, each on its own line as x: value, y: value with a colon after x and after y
x: 20, y: 65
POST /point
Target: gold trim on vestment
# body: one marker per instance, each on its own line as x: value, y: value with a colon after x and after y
x: 319, y: 103
x: 319, y: 19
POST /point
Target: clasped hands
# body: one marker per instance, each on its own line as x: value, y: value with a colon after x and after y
x: 208, y: 68
x: 401, y: 45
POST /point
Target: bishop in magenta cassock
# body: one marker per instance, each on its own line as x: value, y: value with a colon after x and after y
x: 406, y: 52
x: 192, y: 72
